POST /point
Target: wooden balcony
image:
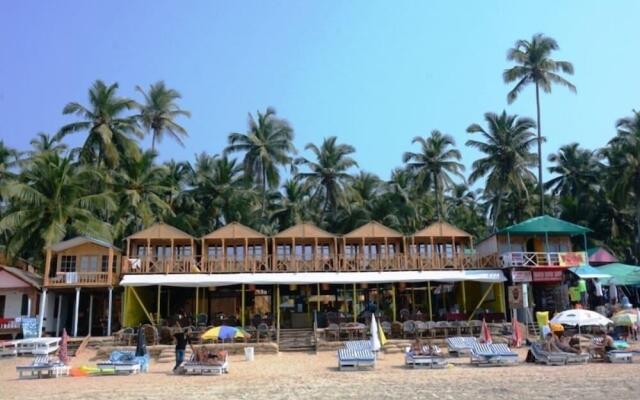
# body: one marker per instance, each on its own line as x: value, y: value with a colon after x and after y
x: 80, y: 279
x: 276, y: 264
x: 540, y: 259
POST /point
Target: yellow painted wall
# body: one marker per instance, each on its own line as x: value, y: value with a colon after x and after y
x: 474, y: 292
x: 134, y: 315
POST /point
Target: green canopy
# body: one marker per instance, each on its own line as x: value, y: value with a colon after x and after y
x: 622, y: 274
x: 546, y: 224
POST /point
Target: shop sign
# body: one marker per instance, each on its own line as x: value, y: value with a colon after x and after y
x: 521, y: 276
x: 574, y: 259
x: 518, y: 296
x: 547, y: 275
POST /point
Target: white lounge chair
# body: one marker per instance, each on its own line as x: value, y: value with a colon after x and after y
x: 38, y: 346
x: 431, y: 358
x: 484, y: 354
x: 217, y: 367
x: 355, y: 359
x: 460, y: 345
x: 43, y: 366
x: 8, y: 348
x: 358, y: 345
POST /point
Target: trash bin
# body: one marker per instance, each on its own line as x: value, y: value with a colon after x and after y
x: 248, y: 353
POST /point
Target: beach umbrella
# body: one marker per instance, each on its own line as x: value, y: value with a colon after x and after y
x: 516, y: 337
x: 141, y: 343
x: 63, y: 352
x: 581, y: 317
x: 485, y: 333
x: 624, y: 318
x: 224, y: 332
x: 375, y: 340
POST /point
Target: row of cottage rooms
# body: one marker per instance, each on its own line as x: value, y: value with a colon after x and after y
x: 236, y: 275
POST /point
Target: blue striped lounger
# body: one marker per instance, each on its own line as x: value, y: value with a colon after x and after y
x: 355, y: 359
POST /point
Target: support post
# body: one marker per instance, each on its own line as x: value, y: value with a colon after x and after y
x: 196, y: 311
x: 59, y: 315
x: 354, y: 304
x: 43, y: 304
x: 484, y: 296
x: 89, y: 323
x: 429, y: 297
x: 278, y: 316
x: 109, y: 312
x: 29, y: 305
x: 586, y: 255
x: 158, y: 305
x: 110, y: 266
x: 546, y: 242
x: 75, y: 312
x: 242, y: 306
x: 393, y: 301
x: 464, y: 298
x: 318, y: 292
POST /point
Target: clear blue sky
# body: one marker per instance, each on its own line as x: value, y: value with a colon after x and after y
x: 375, y: 74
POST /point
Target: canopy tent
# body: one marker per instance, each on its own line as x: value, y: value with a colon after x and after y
x: 588, y: 272
x: 546, y: 224
x: 600, y: 255
x: 211, y: 280
x: 622, y: 274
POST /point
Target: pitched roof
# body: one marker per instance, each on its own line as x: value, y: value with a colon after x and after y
x: 622, y: 274
x: 304, y: 230
x: 441, y: 229
x: 234, y: 230
x: 30, y: 278
x: 160, y: 231
x: 601, y: 255
x: 373, y: 229
x: 79, y: 240
x: 546, y: 224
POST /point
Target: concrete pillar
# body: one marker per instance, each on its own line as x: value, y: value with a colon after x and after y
x: 75, y: 312
x: 43, y: 304
x: 109, y: 311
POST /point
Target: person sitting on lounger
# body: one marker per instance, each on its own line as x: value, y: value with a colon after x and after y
x: 419, y: 349
x: 606, y: 346
x: 562, y: 343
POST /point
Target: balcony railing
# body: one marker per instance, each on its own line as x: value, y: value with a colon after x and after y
x: 280, y: 263
x: 80, y: 278
x: 537, y: 259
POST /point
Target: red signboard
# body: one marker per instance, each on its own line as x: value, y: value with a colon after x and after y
x: 547, y: 275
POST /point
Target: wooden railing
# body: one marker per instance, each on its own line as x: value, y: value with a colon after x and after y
x: 538, y: 259
x: 79, y: 278
x: 275, y: 264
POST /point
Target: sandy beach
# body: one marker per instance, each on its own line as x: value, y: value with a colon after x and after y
x: 315, y: 376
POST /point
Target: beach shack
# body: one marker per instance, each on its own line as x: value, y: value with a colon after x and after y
x: 19, y: 295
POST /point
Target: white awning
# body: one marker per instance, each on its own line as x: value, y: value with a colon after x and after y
x: 209, y: 280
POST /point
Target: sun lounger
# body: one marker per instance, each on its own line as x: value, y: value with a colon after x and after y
x: 8, y: 348
x: 459, y: 345
x: 43, y: 366
x: 124, y: 363
x: 218, y: 366
x: 556, y: 357
x: 620, y: 356
x: 356, y: 359
x: 40, y: 346
x: 358, y: 345
x: 484, y: 354
x: 430, y: 357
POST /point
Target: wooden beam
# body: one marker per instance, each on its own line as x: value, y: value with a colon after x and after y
x: 464, y: 298
x: 429, y: 297
x: 242, y: 305
x: 393, y: 301
x: 354, y: 304
x: 278, y: 315
x: 203, y: 256
x: 484, y: 296
x: 245, y: 256
x: 146, y: 312
x: 158, y: 304
x: 110, y: 266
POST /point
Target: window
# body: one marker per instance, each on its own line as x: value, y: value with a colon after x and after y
x: 104, y: 265
x: 283, y: 251
x: 214, y: 252
x: 142, y: 251
x: 68, y: 264
x: 24, y: 306
x: 182, y: 251
x: 254, y: 251
x: 89, y: 263
x: 3, y: 300
x: 323, y: 250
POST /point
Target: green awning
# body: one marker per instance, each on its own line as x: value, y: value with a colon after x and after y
x: 622, y: 274
x: 546, y: 224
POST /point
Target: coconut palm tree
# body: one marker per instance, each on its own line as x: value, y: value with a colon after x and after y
x: 159, y: 112
x: 435, y: 164
x: 625, y: 165
x: 50, y: 200
x: 294, y: 206
x: 266, y: 145
x: 577, y: 171
x: 535, y: 65
x: 46, y: 143
x: 110, y: 133
x: 329, y: 172
x: 9, y: 159
x: 507, y: 156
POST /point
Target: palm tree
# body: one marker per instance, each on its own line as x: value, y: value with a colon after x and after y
x: 294, y: 206
x: 266, y: 145
x: 51, y: 200
x: 535, y: 65
x: 45, y: 142
x: 506, y: 146
x: 9, y: 159
x: 625, y: 166
x: 577, y: 171
x: 328, y: 173
x: 141, y: 190
x: 110, y: 133
x: 159, y: 112
x: 435, y: 164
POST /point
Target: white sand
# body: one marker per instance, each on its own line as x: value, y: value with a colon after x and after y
x: 310, y: 376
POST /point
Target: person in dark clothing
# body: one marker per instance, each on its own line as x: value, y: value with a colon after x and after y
x: 182, y: 338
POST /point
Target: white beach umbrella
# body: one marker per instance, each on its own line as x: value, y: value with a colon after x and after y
x: 375, y: 340
x: 580, y: 317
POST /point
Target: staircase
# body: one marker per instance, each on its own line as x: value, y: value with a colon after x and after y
x: 297, y: 340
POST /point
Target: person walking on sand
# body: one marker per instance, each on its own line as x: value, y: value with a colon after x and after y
x: 182, y: 338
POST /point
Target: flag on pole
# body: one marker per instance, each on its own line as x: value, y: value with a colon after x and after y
x: 381, y: 336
